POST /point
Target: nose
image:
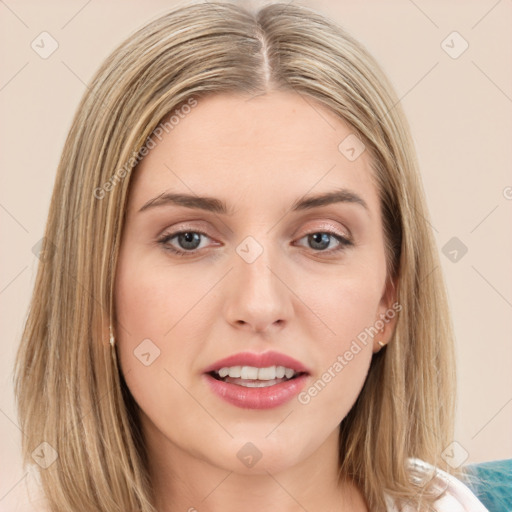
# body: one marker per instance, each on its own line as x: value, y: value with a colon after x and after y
x: 258, y: 299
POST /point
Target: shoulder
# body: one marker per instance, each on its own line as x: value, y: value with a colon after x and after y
x: 455, y: 495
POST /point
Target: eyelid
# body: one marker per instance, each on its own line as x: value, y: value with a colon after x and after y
x: 193, y: 226
x: 328, y: 227
x: 319, y: 224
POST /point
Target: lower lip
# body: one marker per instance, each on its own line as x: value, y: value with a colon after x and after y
x: 257, y: 398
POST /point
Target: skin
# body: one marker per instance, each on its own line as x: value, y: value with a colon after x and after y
x: 258, y: 155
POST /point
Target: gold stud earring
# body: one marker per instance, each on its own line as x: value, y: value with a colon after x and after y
x: 112, y: 339
x: 381, y: 344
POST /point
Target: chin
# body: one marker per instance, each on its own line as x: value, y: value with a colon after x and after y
x: 258, y: 455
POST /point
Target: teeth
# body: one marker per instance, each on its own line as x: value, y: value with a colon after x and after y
x: 288, y: 373
x: 223, y: 372
x: 259, y: 383
x: 249, y: 372
x: 235, y: 372
x: 253, y: 373
x: 267, y: 373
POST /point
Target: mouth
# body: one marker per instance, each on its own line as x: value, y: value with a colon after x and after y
x: 254, y: 377
x: 256, y: 381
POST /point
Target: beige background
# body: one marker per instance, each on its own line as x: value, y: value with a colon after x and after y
x: 460, y: 114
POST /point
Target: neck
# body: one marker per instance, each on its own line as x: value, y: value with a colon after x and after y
x: 184, y: 482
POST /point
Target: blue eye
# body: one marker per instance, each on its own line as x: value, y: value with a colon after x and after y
x: 322, y: 241
x: 188, y: 243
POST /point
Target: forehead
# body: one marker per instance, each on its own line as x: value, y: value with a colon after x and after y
x: 278, y: 122
x: 229, y: 143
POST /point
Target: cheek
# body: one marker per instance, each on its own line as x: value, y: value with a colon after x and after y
x: 146, y: 309
x: 152, y: 325
x: 163, y: 317
x: 347, y: 308
x: 151, y: 300
x: 346, y: 305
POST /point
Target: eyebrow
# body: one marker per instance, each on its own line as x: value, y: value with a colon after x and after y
x: 214, y: 205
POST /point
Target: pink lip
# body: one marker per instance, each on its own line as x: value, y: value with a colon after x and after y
x: 263, y: 360
x: 257, y: 398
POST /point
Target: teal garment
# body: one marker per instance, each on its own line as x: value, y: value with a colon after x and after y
x: 491, y: 482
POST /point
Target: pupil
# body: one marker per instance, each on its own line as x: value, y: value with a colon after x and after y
x: 319, y: 240
x: 189, y: 240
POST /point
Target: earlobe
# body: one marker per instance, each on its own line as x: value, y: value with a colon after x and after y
x: 386, y: 325
x: 388, y: 311
x: 378, y: 346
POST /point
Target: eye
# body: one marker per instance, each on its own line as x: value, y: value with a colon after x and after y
x: 183, y: 243
x: 326, y: 241
x: 188, y: 242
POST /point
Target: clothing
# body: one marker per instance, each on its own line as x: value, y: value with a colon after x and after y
x: 491, y: 481
x: 456, y: 498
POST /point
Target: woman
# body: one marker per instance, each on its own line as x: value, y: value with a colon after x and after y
x: 240, y: 304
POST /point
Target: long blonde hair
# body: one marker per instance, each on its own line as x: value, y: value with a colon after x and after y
x: 70, y: 391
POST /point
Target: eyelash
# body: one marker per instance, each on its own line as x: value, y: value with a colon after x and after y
x: 343, y: 242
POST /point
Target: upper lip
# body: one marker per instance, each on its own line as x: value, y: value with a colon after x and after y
x: 262, y: 360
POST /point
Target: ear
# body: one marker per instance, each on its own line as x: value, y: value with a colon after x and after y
x: 387, y: 314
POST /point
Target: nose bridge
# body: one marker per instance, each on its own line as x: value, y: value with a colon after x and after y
x: 257, y: 296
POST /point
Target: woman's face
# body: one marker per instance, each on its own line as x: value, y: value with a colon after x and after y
x: 280, y: 263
